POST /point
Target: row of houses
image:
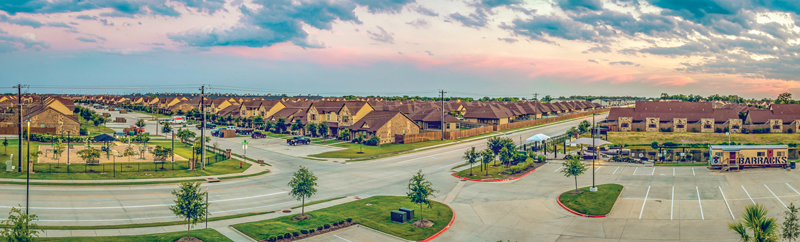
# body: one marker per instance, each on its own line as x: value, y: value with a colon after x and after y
x: 46, y: 114
x: 704, y: 117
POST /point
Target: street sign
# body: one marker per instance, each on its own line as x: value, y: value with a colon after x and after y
x: 42, y: 125
x: 244, y: 144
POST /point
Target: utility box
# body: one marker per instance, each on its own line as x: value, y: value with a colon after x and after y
x: 123, y: 111
x: 399, y: 216
x: 120, y: 120
x: 106, y: 115
x: 228, y: 133
x: 9, y: 165
x: 409, y: 213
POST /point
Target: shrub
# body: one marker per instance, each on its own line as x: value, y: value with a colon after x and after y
x: 341, y: 222
x: 311, y: 231
x: 287, y: 235
x: 295, y: 233
x: 349, y: 220
x: 304, y: 231
x: 694, y: 130
x: 541, y: 159
x: 272, y: 239
x: 374, y: 141
x: 327, y: 226
x: 514, y: 169
x: 638, y: 129
x: 319, y: 228
x: 280, y: 237
x: 789, y: 130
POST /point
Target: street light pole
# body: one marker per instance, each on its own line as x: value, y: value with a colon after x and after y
x: 68, y: 138
x: 28, y: 173
x: 594, y: 156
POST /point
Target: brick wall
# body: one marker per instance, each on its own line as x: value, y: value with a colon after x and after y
x: 397, y: 125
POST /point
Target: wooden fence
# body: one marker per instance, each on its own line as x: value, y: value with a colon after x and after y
x: 413, y: 138
x: 468, y: 133
x: 34, y: 130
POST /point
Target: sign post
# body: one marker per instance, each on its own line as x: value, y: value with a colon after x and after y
x: 244, y: 147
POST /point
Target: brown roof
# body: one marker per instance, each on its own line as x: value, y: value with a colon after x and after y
x: 667, y: 111
x: 432, y: 115
x: 489, y: 112
x: 375, y: 120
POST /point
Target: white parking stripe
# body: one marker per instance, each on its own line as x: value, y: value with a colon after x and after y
x: 634, y: 170
x: 342, y: 238
x: 776, y: 196
x: 700, y: 202
x: 748, y: 194
x: 653, y: 172
x: 558, y: 169
x: 673, y: 171
x: 644, y: 202
x: 672, y: 204
x: 726, y: 203
x: 798, y: 193
x: 598, y: 168
x: 615, y: 171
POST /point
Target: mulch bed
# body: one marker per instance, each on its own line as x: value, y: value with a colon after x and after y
x: 316, y: 232
x: 189, y: 239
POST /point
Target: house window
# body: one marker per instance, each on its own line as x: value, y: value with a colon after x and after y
x: 448, y: 126
x: 329, y: 117
x: 776, y: 127
x: 760, y: 154
x: 779, y: 153
x: 313, y: 117
x: 680, y: 126
x: 344, y: 119
x: 735, y: 127
x: 624, y: 125
x: 652, y: 125
x: 707, y: 126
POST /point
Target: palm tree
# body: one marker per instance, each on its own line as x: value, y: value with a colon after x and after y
x: 471, y: 157
x: 754, y: 218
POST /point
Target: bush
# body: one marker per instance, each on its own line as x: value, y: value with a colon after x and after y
x: 319, y: 228
x: 514, y: 169
x: 374, y: 141
x: 295, y: 233
x: 790, y: 130
x: 304, y: 231
x: 272, y: 239
x: 638, y: 129
x: 341, y: 222
x: 718, y: 130
x: 311, y: 231
x: 287, y: 235
x: 327, y: 226
x: 280, y: 237
x: 349, y: 220
x: 694, y: 130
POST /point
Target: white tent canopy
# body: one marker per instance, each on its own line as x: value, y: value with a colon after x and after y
x: 537, y: 137
x: 590, y: 141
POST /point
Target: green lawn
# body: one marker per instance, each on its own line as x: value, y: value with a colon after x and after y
x: 712, y: 138
x: 203, y: 234
x: 494, y: 172
x: 319, y: 201
x: 353, y: 149
x: 280, y: 136
x: 94, y: 130
x: 326, y: 142
x: 592, y: 203
x: 375, y: 216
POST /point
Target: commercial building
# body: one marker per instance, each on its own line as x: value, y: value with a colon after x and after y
x: 740, y: 156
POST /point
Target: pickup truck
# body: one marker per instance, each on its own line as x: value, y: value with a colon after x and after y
x: 208, y: 126
x: 258, y: 135
x: 298, y: 140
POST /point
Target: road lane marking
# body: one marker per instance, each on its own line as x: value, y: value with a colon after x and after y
x: 634, y: 170
x: 672, y: 204
x: 693, y: 171
x: 673, y: 171
x: 726, y: 202
x: 342, y: 238
x: 748, y: 194
x: 128, y: 219
x: 700, y: 202
x: 644, y: 202
x: 615, y: 171
x: 558, y: 169
x: 790, y: 186
x: 776, y: 196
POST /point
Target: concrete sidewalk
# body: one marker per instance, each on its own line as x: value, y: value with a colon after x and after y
x: 223, y: 226
x: 254, y: 168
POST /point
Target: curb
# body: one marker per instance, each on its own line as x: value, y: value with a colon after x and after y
x: 511, y: 179
x: 577, y: 213
x: 445, y: 227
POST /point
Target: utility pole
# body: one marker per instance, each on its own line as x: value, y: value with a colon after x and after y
x: 535, y: 102
x: 203, y: 128
x: 19, y: 115
x: 442, y: 92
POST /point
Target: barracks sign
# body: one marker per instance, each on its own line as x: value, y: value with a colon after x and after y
x: 775, y: 160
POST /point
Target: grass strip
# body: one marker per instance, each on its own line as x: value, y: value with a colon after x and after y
x: 592, y: 203
x: 320, y: 201
x: 375, y: 216
x: 243, y: 176
x: 145, y: 225
x: 203, y: 234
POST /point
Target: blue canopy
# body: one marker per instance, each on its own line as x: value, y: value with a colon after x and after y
x: 104, y: 138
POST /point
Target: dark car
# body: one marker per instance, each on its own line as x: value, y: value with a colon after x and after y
x: 208, y: 126
x: 298, y: 140
x: 258, y: 135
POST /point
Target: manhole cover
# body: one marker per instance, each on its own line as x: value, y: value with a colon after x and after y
x: 287, y: 211
x: 368, y: 204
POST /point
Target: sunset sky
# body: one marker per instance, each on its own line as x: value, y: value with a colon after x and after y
x: 403, y: 47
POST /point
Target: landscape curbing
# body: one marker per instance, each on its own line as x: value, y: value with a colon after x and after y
x: 510, y: 179
x: 445, y: 227
x: 558, y: 199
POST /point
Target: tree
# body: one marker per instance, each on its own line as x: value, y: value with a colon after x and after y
x: 5, y: 146
x: 419, y: 190
x: 297, y: 125
x: 189, y: 204
x: 184, y: 135
x: 89, y: 154
x: 571, y: 132
x: 268, y: 126
x: 161, y: 153
x: 496, y: 144
x: 487, y: 156
x: 322, y: 129
x: 128, y: 152
x: 166, y: 129
x: 471, y: 157
x: 258, y: 121
x: 140, y: 123
x: 312, y: 128
x: 58, y: 149
x: 784, y: 98
x: 506, y: 155
x: 573, y: 167
x: 344, y: 134
x: 304, y: 185
x: 584, y: 126
x: 754, y: 218
x: 791, y: 227
x: 20, y: 226
x: 654, y: 145
x: 280, y: 125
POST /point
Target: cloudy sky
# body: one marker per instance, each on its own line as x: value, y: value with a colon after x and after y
x: 395, y: 47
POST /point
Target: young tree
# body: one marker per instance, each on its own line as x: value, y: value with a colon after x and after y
x: 471, y: 157
x: 344, y: 134
x: 166, y: 129
x: 506, y: 156
x: 791, y: 227
x: 497, y: 143
x: 58, y: 149
x: 322, y: 129
x: 312, y: 129
x: 89, y: 154
x: 297, y: 125
x: 487, y: 156
x: 189, y: 204
x: 140, y: 123
x: 20, y: 226
x: 5, y: 146
x: 129, y: 151
x: 304, y: 185
x: 754, y: 218
x: 419, y: 190
x: 185, y: 134
x: 573, y: 167
x: 583, y: 127
x: 280, y: 125
x: 161, y: 153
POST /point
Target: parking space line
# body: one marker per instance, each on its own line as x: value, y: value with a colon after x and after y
x: 748, y: 195
x: 634, y: 170
x: 726, y: 203
x: 653, y: 172
x: 598, y: 168
x: 672, y: 204
x: 558, y: 169
x: 776, y: 196
x: 615, y: 171
x: 692, y: 171
x: 673, y: 173
x: 342, y: 238
x: 700, y: 202
x: 790, y: 186
x: 644, y: 202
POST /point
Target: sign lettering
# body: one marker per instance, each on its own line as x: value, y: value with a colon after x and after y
x: 775, y: 160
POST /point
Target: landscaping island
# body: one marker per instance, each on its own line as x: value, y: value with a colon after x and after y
x: 498, y: 173
x: 371, y: 212
x: 599, y: 203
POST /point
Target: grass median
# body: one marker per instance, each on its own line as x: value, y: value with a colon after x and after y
x: 592, y: 203
x: 203, y: 234
x: 375, y: 216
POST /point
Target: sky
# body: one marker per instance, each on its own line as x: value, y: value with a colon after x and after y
x: 470, y: 48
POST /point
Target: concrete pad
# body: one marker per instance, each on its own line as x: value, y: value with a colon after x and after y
x: 687, y: 210
x: 82, y: 233
x: 107, y: 232
x: 596, y: 228
x: 716, y: 210
x: 644, y: 171
x: 353, y: 233
x: 649, y: 229
x: 706, y: 230
x: 57, y: 233
x: 683, y: 171
x: 622, y: 209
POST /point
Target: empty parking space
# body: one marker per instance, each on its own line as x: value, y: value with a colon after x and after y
x: 659, y: 203
x: 644, y: 171
x: 683, y: 171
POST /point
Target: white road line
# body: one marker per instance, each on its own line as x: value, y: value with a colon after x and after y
x: 644, y: 202
x: 692, y: 171
x: 672, y: 204
x: 558, y: 169
x: 653, y: 172
x: 451, y: 165
x: 748, y: 194
x: 776, y: 196
x: 598, y: 168
x: 700, y: 202
x: 129, y: 219
x: 790, y: 186
x: 673, y: 171
x: 342, y: 238
x: 615, y: 171
x: 634, y: 170
x: 726, y: 203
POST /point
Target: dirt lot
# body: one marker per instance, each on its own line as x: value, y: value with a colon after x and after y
x: 47, y: 154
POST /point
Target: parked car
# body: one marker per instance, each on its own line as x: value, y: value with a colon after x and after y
x: 208, y: 126
x: 215, y: 132
x: 298, y: 140
x: 258, y: 135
